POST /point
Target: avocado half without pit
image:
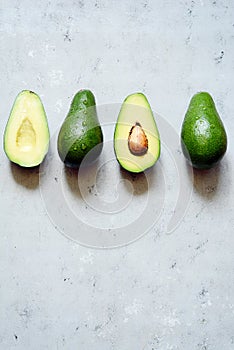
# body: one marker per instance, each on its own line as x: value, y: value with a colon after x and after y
x: 26, y: 137
x: 136, y: 137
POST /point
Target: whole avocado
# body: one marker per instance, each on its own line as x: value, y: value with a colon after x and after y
x: 80, y: 134
x: 203, y: 136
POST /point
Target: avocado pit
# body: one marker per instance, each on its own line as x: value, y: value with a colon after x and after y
x: 137, y: 140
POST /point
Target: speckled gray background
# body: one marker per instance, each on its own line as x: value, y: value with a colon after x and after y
x: 164, y: 292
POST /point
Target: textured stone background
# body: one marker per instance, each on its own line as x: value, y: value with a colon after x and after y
x: 164, y: 292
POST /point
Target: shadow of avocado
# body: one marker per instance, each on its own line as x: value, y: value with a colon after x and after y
x: 26, y: 177
x: 138, y: 181
x: 206, y: 182
x: 71, y: 176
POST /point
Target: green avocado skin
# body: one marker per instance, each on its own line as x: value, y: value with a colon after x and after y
x: 80, y: 134
x: 203, y: 136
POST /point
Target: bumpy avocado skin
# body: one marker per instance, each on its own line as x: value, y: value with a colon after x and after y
x: 81, y: 133
x: 203, y: 136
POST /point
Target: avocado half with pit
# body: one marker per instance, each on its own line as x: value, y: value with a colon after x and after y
x: 26, y: 137
x: 136, y: 137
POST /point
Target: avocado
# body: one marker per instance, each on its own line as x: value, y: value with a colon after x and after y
x: 26, y: 137
x: 80, y: 134
x: 203, y: 136
x: 136, y: 137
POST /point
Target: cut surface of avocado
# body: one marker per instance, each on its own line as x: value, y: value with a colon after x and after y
x: 26, y: 137
x: 136, y: 137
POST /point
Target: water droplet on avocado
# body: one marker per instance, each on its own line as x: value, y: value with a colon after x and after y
x: 75, y: 148
x: 85, y: 102
x: 83, y: 146
x: 84, y: 123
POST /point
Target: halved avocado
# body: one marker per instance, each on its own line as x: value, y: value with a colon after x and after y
x: 26, y: 137
x: 136, y: 137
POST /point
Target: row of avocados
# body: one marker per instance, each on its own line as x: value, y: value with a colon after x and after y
x: 136, y: 136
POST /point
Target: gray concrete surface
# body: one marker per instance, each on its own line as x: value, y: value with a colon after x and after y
x: 166, y: 292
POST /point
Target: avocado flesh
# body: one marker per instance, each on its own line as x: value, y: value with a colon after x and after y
x: 80, y: 135
x: 136, y: 113
x: 203, y: 136
x: 26, y: 137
